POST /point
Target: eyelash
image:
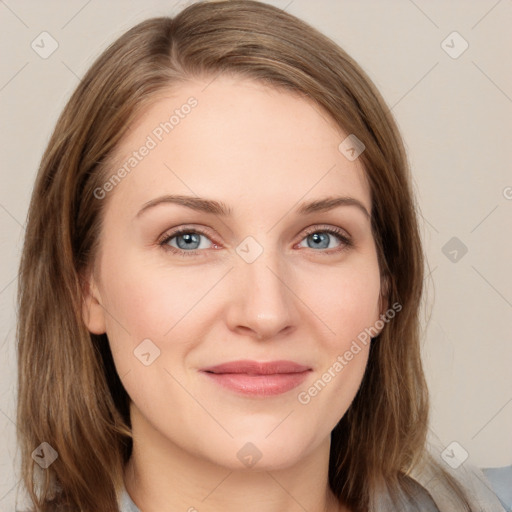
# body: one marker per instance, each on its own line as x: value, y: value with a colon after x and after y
x: 163, y: 242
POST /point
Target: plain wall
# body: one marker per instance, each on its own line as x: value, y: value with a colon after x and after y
x: 455, y: 116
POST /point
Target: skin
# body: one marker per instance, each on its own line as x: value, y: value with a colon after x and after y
x: 262, y: 152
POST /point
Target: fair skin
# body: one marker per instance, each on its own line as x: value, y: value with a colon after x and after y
x: 263, y: 153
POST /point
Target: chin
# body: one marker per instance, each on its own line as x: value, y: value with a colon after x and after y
x: 257, y: 452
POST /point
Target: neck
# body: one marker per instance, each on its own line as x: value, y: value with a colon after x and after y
x: 161, y: 476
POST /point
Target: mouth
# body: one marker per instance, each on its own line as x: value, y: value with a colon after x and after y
x: 252, y: 378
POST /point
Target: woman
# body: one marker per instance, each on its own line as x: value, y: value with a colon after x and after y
x: 220, y: 283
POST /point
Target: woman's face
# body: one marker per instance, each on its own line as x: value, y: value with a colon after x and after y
x: 264, y: 281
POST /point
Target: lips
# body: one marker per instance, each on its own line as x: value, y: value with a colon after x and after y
x: 258, y: 378
x: 255, y: 368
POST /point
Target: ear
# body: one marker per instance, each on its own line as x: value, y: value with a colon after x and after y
x: 383, y: 305
x: 93, y: 313
x: 384, y: 294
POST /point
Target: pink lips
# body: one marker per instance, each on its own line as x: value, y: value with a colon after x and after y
x: 258, y: 379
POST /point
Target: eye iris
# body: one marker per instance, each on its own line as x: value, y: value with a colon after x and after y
x: 190, y: 238
x: 320, y: 237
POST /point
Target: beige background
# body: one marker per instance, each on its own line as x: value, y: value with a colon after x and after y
x: 455, y: 115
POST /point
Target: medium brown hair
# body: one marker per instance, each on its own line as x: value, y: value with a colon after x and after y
x: 69, y: 394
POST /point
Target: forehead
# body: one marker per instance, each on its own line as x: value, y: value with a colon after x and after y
x: 233, y: 138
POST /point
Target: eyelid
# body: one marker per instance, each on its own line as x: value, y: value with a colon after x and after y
x: 184, y: 228
x: 327, y: 228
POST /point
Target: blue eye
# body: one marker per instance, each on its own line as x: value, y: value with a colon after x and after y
x: 188, y: 241
x: 321, y: 238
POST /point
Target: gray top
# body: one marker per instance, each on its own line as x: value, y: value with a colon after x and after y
x: 421, y: 504
x: 126, y: 504
x: 495, y: 497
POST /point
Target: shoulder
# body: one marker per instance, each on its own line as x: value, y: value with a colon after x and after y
x: 481, y: 493
x: 126, y: 504
x: 490, y: 488
x: 500, y: 479
x: 411, y: 496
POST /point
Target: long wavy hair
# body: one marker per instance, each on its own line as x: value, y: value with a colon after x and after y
x: 69, y: 393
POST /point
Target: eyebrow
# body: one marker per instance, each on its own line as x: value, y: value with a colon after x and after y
x: 219, y: 208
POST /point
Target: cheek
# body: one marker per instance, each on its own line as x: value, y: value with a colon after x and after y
x: 349, y: 309
x: 356, y: 307
x: 148, y: 300
x: 344, y: 300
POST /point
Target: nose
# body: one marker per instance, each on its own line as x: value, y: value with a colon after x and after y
x: 263, y: 303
